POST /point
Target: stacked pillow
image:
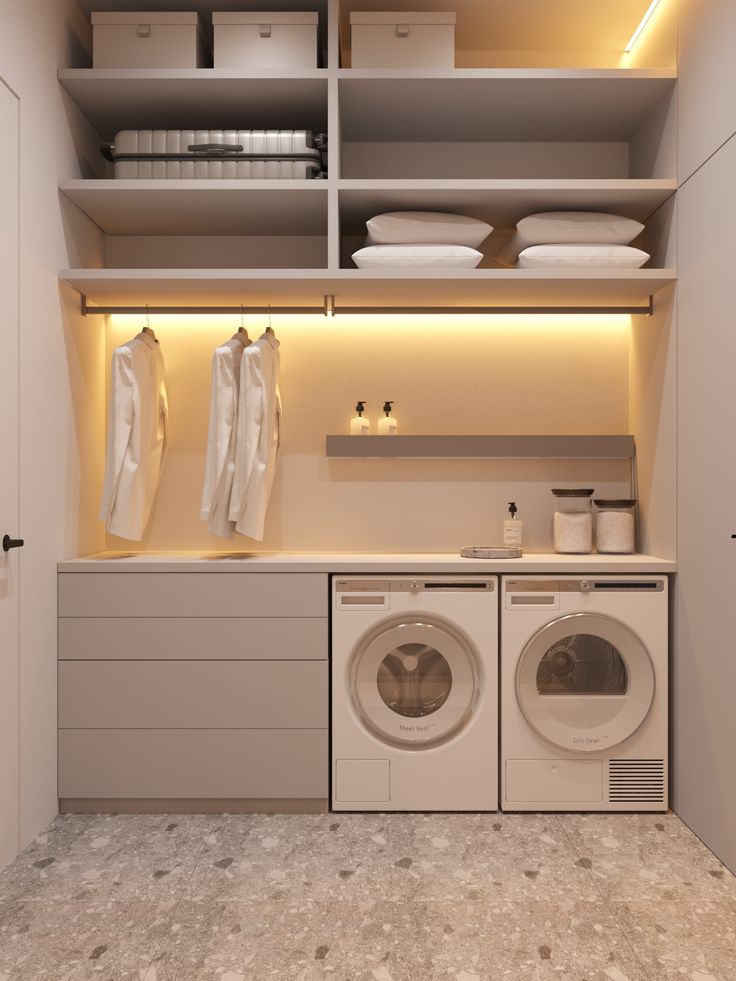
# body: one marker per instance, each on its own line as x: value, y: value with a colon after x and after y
x: 422, y: 238
x: 556, y: 239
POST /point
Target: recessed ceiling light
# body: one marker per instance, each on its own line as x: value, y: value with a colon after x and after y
x: 644, y: 21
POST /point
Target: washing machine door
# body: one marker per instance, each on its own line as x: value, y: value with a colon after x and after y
x: 585, y: 682
x: 414, y: 681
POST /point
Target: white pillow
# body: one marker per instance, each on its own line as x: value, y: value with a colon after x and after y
x: 382, y: 256
x: 559, y: 227
x: 430, y: 227
x: 588, y: 256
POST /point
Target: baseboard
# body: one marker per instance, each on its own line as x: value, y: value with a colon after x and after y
x: 152, y: 805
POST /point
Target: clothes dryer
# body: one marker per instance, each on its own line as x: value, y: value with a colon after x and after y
x: 415, y: 693
x: 584, y: 693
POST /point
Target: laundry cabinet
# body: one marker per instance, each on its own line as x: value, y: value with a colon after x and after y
x: 193, y: 691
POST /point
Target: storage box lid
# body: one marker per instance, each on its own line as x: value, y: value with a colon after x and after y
x: 266, y: 17
x: 402, y: 17
x: 145, y: 17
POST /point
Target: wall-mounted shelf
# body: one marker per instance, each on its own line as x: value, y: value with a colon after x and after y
x: 497, y: 104
x: 200, y: 207
x: 499, y: 447
x: 513, y: 288
x: 205, y: 98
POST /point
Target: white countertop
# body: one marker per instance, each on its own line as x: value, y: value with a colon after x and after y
x: 376, y: 562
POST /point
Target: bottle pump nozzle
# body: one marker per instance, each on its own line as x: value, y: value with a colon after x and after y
x: 360, y: 406
x: 387, y: 407
x: 512, y: 508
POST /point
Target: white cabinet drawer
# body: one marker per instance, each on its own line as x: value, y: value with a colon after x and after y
x: 176, y: 763
x: 193, y: 694
x: 192, y: 594
x: 192, y: 638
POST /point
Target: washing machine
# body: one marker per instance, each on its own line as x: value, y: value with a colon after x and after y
x: 584, y: 693
x: 415, y: 693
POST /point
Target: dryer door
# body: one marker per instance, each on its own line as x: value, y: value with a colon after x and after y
x: 585, y: 682
x: 414, y: 681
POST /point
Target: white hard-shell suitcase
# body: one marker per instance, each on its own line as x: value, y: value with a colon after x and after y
x: 202, y: 154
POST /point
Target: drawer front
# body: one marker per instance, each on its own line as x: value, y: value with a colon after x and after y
x: 193, y: 695
x: 192, y: 594
x: 184, y: 763
x: 192, y: 639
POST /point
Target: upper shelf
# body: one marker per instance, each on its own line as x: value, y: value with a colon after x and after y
x: 198, y: 98
x: 201, y: 207
x: 500, y: 202
x: 369, y: 288
x: 499, y: 447
x: 498, y: 104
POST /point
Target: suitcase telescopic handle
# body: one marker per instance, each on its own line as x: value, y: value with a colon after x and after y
x: 215, y: 148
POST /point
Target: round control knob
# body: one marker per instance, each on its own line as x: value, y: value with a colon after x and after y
x: 586, y: 586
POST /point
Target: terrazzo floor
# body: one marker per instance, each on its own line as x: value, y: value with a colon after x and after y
x: 367, y: 896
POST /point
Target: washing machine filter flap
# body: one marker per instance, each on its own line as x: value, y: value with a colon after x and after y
x: 414, y: 681
x: 585, y: 682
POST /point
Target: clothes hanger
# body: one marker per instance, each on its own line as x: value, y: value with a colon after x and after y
x: 242, y: 333
x: 269, y: 329
x: 148, y: 329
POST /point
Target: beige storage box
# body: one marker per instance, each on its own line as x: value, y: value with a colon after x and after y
x: 260, y: 39
x: 148, y: 40
x: 392, y: 39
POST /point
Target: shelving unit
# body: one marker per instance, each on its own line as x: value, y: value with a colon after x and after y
x: 579, y: 135
x: 496, y: 447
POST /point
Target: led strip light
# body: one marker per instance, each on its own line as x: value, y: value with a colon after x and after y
x: 644, y: 21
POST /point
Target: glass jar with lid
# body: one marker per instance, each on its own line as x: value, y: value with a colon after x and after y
x: 573, y: 521
x: 615, y: 526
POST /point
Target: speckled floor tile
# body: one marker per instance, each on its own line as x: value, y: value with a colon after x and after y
x: 654, y: 857
x: 695, y: 941
x: 80, y: 940
x: 267, y: 938
x: 380, y: 897
x: 330, y: 856
x: 457, y: 858
x: 125, y: 857
x: 516, y: 940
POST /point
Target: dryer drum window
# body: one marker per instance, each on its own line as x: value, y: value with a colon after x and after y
x: 582, y: 664
x: 414, y: 683
x: 414, y: 680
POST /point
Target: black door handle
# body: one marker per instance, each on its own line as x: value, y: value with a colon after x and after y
x: 9, y: 543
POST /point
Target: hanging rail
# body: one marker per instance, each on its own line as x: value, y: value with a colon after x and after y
x: 329, y: 308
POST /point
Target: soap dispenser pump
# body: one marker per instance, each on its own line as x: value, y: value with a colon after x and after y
x: 387, y: 425
x: 512, y: 527
x: 359, y: 425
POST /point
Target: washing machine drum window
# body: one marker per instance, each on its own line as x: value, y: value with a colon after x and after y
x: 585, y: 682
x: 414, y: 682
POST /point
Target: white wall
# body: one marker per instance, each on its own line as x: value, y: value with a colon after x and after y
x: 465, y: 375
x: 61, y: 370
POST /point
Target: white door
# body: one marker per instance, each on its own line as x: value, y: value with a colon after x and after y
x: 585, y: 682
x: 414, y: 681
x: 9, y: 490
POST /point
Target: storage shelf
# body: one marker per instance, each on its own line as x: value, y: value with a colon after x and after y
x: 366, y: 287
x: 499, y: 447
x: 488, y: 104
x: 202, y: 207
x: 502, y: 203
x: 198, y: 98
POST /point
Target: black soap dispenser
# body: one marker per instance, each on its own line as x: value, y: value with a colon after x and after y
x: 387, y: 425
x: 359, y: 425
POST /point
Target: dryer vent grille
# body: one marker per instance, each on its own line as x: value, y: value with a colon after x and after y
x: 636, y: 781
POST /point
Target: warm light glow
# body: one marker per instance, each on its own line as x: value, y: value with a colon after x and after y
x: 644, y: 21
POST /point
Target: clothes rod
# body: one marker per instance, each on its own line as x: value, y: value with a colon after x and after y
x: 330, y: 308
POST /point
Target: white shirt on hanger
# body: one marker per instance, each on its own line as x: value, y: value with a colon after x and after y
x: 221, y: 439
x: 258, y: 436
x: 137, y: 437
